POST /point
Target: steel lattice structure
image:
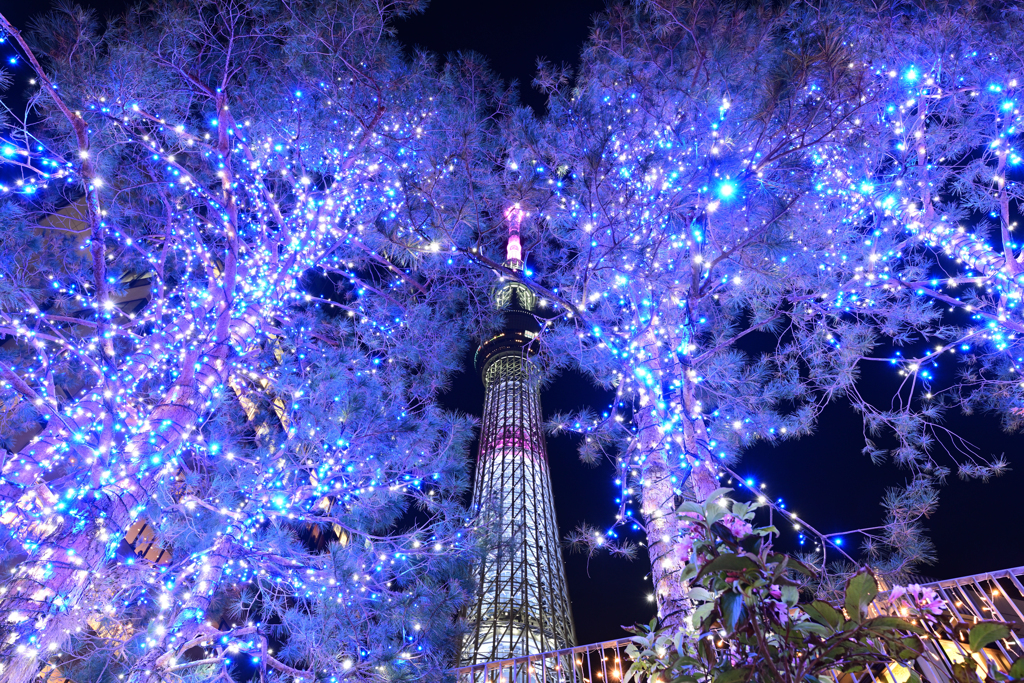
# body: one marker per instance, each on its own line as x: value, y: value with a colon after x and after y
x: 522, y: 603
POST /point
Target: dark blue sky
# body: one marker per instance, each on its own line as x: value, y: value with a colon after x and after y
x: 512, y: 34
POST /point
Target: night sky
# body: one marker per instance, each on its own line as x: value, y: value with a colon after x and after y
x: 824, y: 477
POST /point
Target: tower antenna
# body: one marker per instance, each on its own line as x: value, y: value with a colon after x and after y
x: 514, y: 250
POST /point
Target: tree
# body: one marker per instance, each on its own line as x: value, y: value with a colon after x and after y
x: 227, y: 321
x: 736, y: 195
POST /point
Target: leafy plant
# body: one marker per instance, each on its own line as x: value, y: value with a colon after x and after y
x: 747, y: 620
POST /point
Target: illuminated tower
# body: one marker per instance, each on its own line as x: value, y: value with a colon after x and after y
x: 522, y: 604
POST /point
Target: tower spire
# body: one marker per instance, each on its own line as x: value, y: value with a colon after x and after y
x: 514, y: 250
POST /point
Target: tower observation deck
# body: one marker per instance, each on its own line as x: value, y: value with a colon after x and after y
x: 522, y: 603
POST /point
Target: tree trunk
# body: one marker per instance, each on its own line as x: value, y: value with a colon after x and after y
x: 187, y: 626
x: 43, y: 600
x: 658, y: 507
x: 665, y: 482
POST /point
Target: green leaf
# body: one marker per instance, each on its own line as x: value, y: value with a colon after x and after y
x: 790, y: 595
x: 706, y: 649
x: 963, y: 672
x: 791, y: 563
x: 690, y: 506
x: 860, y: 591
x: 752, y: 543
x: 715, y: 495
x: 811, y: 627
x: 894, y: 623
x: 713, y: 513
x: 700, y: 595
x: 728, y: 563
x: 986, y: 632
x: 823, y: 613
x: 834, y: 652
x: 734, y: 675
x: 910, y: 647
x: 780, y: 566
x: 684, y: 678
x: 700, y: 614
x: 733, y: 610
x: 641, y: 641
x: 1017, y: 670
x: 802, y: 568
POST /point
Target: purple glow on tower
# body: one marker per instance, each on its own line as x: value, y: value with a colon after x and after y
x: 514, y: 251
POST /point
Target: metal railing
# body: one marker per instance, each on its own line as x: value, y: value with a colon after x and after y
x: 990, y: 596
x: 594, y: 663
x: 994, y: 595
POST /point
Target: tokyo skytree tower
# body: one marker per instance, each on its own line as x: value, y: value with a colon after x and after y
x: 522, y: 603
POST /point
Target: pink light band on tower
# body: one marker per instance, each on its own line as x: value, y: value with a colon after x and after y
x: 514, y: 214
x: 515, y: 249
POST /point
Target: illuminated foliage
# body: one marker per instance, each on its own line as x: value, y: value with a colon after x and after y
x: 219, y: 265
x: 748, y: 204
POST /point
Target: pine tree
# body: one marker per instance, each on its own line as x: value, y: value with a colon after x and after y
x: 227, y: 323
x: 946, y: 168
x: 733, y: 200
